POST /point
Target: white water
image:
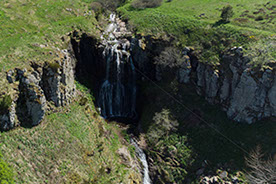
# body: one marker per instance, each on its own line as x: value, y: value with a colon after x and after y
x: 117, y: 97
x: 142, y: 156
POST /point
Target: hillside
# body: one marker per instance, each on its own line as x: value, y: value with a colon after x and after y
x: 101, y: 92
x: 73, y: 144
x: 197, y: 24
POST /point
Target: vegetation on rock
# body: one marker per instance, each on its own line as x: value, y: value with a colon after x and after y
x: 5, y: 103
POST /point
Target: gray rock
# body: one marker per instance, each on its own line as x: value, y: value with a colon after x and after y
x: 184, y: 71
x: 200, y: 172
x: 34, y: 97
x: 8, y: 120
x: 223, y: 175
x: 59, y: 83
x: 272, y: 98
x: 10, y: 76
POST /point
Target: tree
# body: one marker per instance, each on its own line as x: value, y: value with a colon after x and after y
x: 227, y: 13
x: 261, y: 171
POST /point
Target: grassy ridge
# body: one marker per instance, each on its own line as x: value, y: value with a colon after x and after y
x: 181, y: 20
x: 73, y: 145
x: 25, y: 25
x: 209, y: 11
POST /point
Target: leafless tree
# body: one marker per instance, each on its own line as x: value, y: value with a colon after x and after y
x: 261, y: 171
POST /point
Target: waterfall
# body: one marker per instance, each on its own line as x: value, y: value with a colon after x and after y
x: 143, y: 159
x: 117, y: 95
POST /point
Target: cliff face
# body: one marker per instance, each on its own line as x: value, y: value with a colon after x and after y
x: 36, y: 88
x: 246, y: 94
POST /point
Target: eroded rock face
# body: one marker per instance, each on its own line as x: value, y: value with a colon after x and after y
x: 246, y: 95
x: 185, y: 70
x: 58, y: 83
x: 8, y: 120
x: 33, y: 97
x: 37, y: 85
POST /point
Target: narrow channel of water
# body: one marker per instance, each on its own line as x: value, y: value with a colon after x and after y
x: 143, y: 158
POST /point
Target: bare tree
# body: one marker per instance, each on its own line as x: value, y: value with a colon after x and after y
x: 261, y: 171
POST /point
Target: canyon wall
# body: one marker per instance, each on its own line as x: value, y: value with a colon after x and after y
x: 246, y: 93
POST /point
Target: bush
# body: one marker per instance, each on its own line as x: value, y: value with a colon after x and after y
x: 170, y: 57
x: 6, y: 173
x: 142, y: 4
x: 259, y: 18
x: 163, y: 125
x: 227, y: 13
x: 111, y: 4
x: 54, y: 66
x: 5, y: 103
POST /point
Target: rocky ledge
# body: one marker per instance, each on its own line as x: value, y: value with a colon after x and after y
x: 37, y: 89
x: 246, y: 93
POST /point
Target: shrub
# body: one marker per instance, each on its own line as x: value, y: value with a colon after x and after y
x: 142, y: 4
x: 5, y: 103
x: 6, y: 173
x: 170, y: 57
x: 111, y: 4
x: 259, y: 18
x: 54, y: 66
x: 227, y: 13
x: 97, y: 8
x: 163, y: 125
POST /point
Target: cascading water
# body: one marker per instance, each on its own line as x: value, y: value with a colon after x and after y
x: 143, y: 158
x: 117, y: 95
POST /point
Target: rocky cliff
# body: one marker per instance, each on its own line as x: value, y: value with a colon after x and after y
x: 246, y: 93
x: 38, y: 88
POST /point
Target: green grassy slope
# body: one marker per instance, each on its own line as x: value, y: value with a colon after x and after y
x: 180, y: 19
x: 25, y: 25
x: 73, y: 145
x: 192, y: 9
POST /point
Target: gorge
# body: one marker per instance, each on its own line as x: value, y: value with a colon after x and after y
x: 108, y: 67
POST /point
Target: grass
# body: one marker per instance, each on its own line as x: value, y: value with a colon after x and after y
x: 31, y: 29
x: 211, y: 9
x: 74, y: 145
x: 180, y: 20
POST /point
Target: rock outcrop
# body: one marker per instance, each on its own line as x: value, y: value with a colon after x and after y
x: 246, y: 94
x: 32, y: 97
x: 8, y: 119
x: 37, y: 86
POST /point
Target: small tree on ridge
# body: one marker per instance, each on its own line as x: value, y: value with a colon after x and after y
x: 227, y: 13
